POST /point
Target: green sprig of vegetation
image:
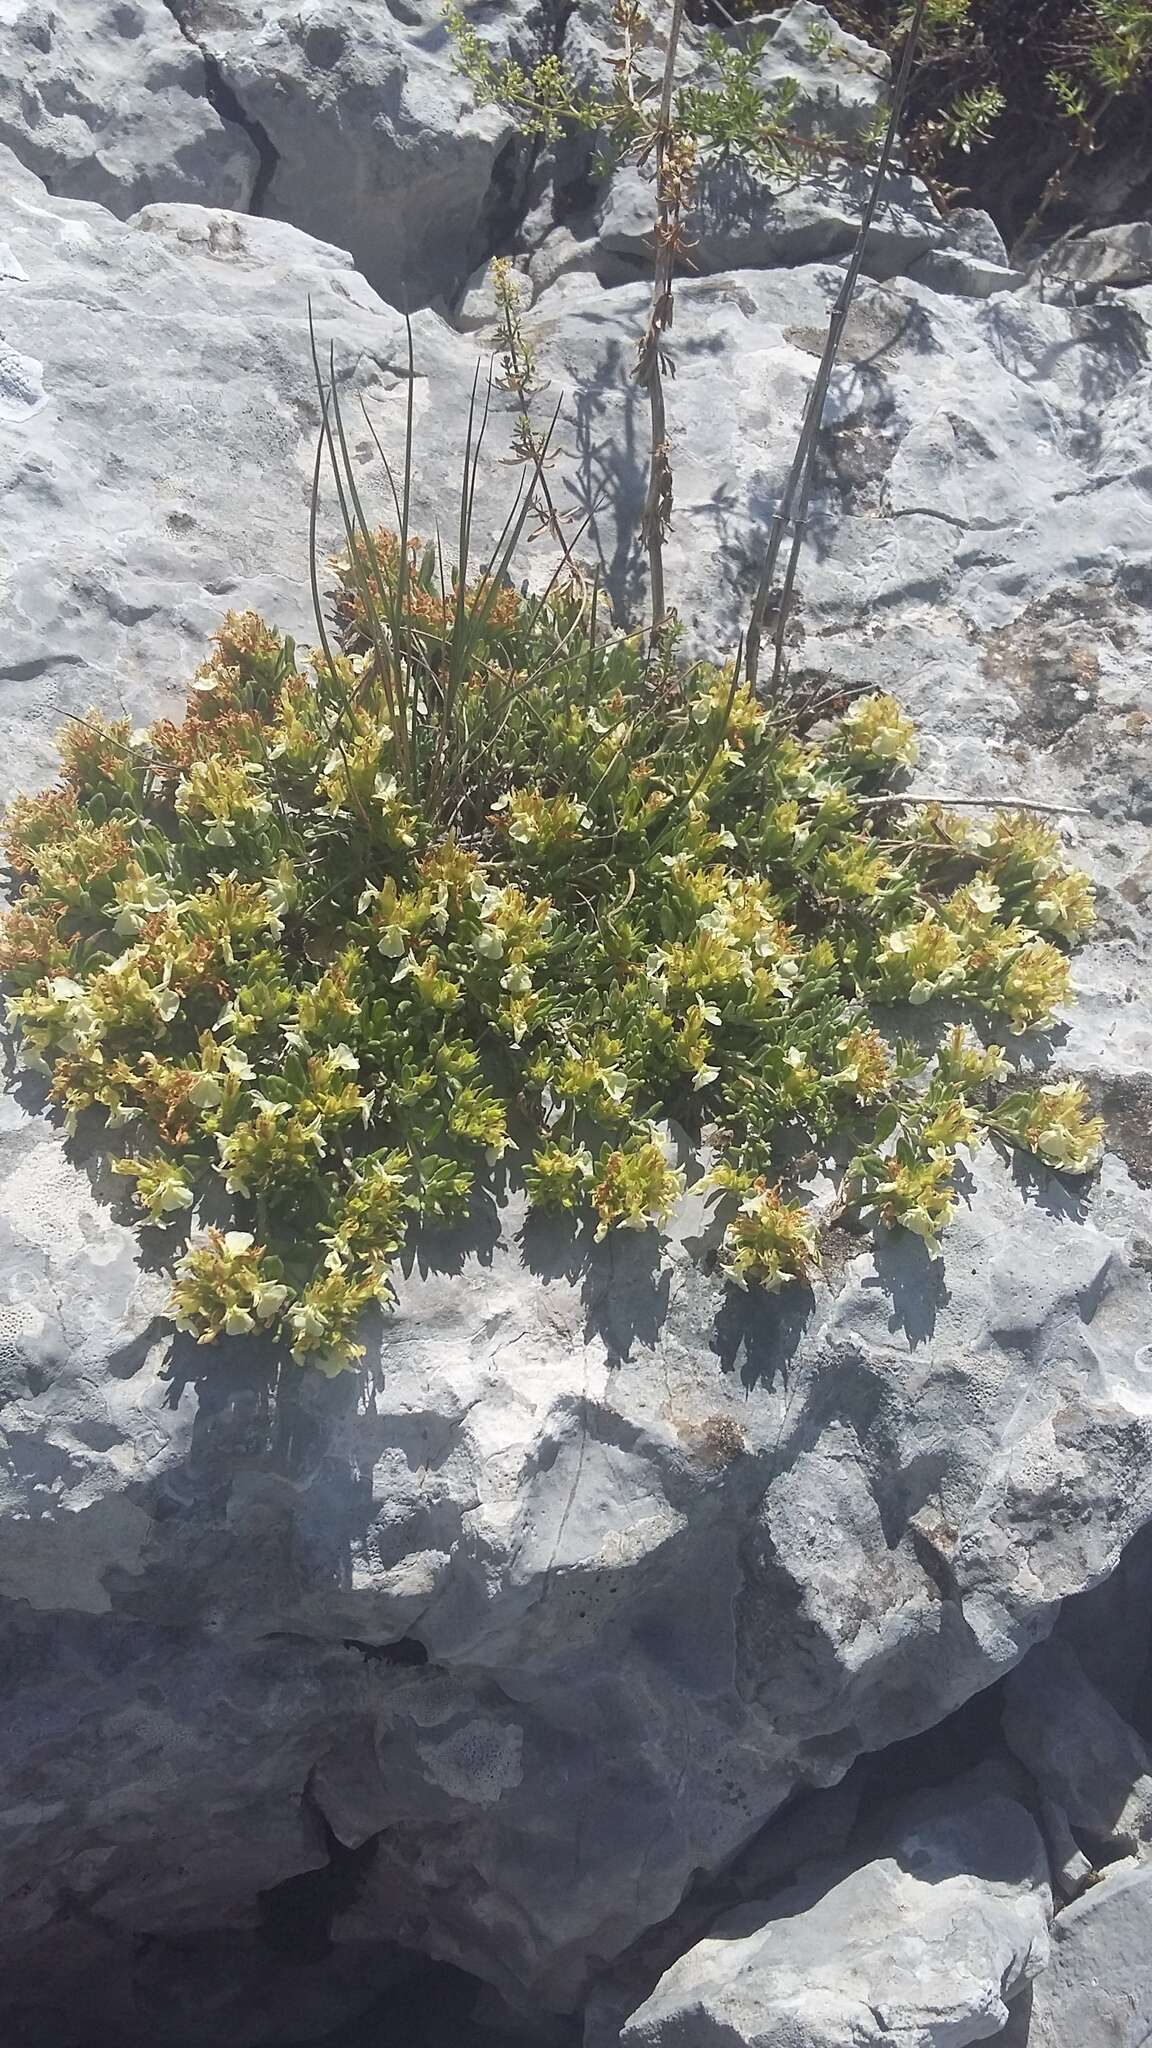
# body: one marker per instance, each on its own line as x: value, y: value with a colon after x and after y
x: 1004, y: 84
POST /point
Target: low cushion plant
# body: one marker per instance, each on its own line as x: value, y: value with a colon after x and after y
x: 481, y: 888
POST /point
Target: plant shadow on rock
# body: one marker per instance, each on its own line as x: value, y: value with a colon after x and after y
x: 624, y: 1282
x: 853, y: 452
x: 606, y: 482
x: 762, y: 1333
x: 914, y: 1282
x: 1045, y: 1189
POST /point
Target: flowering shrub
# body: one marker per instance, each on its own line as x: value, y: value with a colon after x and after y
x: 314, y: 981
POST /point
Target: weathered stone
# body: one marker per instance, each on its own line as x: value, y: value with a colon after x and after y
x: 108, y: 101
x: 739, y: 220
x: 492, y: 1616
x: 1079, y: 1750
x: 1097, y: 1989
x: 1110, y: 1630
x: 1118, y: 257
x: 377, y: 144
x: 560, y: 255
x: 812, y: 1830
x: 1071, y: 1869
x: 842, y: 81
x: 920, y: 1947
x: 963, y: 275
x: 975, y: 231
x: 157, y: 401
x: 478, y: 307
x: 744, y: 217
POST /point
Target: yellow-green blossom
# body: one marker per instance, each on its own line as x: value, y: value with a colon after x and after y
x: 768, y: 1243
x: 636, y: 1188
x: 1053, y: 1122
x: 876, y: 733
x: 558, y: 1176
x: 227, y: 1287
x: 163, y: 1190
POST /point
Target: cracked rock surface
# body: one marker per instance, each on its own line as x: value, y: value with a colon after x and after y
x: 376, y: 142
x: 921, y: 1947
x: 108, y: 101
x: 496, y: 1654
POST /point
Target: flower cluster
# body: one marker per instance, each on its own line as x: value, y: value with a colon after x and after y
x: 1053, y: 1123
x: 320, y: 989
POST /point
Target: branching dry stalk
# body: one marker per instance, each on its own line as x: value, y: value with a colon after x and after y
x: 519, y: 377
x: 674, y: 163
x: 791, y: 513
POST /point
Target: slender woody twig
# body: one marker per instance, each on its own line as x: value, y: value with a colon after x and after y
x: 650, y: 362
x: 791, y: 513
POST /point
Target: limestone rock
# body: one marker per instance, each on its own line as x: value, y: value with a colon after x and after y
x: 1118, y: 256
x: 532, y: 1522
x: 489, y: 1616
x: 976, y: 233
x: 1071, y: 1869
x: 835, y: 85
x: 1098, y: 1986
x: 920, y: 1947
x: 479, y: 308
x: 814, y: 1829
x: 377, y: 143
x: 842, y: 81
x: 958, y: 272
x: 560, y: 254
x: 1110, y: 1630
x: 739, y: 220
x: 157, y: 402
x: 1079, y: 1750
x: 111, y: 103
x: 108, y: 101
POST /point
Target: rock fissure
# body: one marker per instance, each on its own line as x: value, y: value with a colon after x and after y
x: 228, y: 104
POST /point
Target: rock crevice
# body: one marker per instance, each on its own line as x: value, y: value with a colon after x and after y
x: 228, y: 105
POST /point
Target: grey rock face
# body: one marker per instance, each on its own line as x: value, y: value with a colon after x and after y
x: 1118, y: 256
x: 1079, y: 1750
x: 1110, y: 1630
x: 157, y: 402
x: 1098, y: 1986
x: 959, y: 273
x: 742, y: 217
x: 596, y: 1568
x: 833, y: 89
x: 813, y: 1830
x: 544, y: 1527
x: 349, y: 120
x: 842, y: 81
x: 479, y: 307
x: 920, y: 1948
x: 835, y: 83
x: 378, y: 145
x: 559, y: 255
x: 108, y: 101
x: 977, y: 234
x: 741, y: 221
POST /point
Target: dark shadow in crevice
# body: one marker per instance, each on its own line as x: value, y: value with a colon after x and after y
x: 296, y: 1916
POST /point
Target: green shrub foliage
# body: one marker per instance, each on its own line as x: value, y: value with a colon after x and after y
x: 323, y: 956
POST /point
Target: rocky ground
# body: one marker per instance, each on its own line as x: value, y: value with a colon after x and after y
x: 612, y: 1664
